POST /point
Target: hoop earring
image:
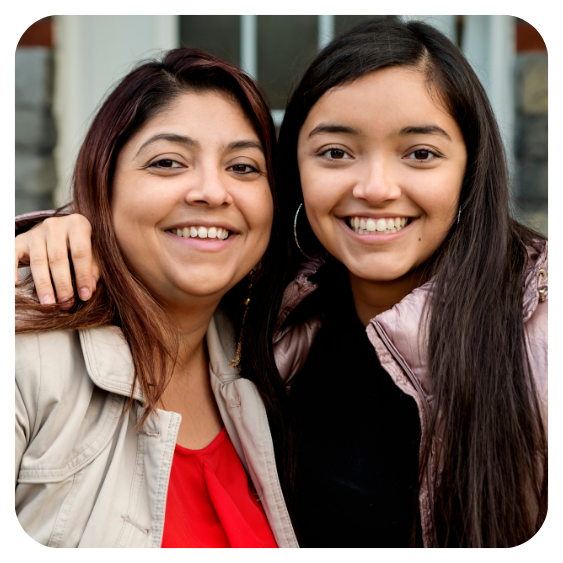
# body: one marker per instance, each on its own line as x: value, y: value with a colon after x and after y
x: 295, y: 232
x: 458, y: 214
x: 235, y: 362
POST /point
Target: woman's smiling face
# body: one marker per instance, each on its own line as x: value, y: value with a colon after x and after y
x: 381, y: 165
x: 191, y: 202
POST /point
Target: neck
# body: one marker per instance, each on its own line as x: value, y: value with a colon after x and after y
x: 191, y: 324
x: 374, y: 297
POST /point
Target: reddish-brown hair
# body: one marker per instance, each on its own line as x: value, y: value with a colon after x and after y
x: 120, y: 298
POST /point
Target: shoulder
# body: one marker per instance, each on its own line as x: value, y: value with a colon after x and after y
x: 535, y: 313
x: 47, y: 360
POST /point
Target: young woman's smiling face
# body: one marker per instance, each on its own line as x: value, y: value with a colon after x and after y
x: 191, y: 202
x: 381, y: 165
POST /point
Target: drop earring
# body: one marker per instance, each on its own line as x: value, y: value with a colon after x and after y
x: 235, y: 362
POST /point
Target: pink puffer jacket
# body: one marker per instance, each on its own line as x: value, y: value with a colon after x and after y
x: 394, y: 335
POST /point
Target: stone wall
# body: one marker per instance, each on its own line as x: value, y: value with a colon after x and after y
x: 35, y: 129
x: 530, y: 180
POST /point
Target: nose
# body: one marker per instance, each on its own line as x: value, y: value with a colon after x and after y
x: 377, y: 184
x: 208, y: 188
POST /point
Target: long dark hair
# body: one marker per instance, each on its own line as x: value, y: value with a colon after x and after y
x: 120, y: 298
x: 485, y: 405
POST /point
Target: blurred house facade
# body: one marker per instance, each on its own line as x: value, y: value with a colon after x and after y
x: 65, y: 65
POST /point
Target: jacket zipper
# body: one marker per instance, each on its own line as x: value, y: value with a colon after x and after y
x: 418, y: 387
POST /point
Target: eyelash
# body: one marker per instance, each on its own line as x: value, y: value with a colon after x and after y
x: 323, y: 154
x: 157, y: 162
x: 434, y: 155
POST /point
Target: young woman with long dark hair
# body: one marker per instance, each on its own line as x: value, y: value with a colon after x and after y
x: 134, y: 427
x: 414, y: 334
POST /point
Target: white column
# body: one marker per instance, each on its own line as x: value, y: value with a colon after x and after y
x: 490, y: 46
x: 91, y: 54
x: 326, y: 30
x: 249, y: 45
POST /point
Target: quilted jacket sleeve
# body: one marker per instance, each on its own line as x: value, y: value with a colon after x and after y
x: 293, y: 347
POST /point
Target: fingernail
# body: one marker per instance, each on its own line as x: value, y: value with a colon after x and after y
x: 84, y: 293
x: 47, y: 300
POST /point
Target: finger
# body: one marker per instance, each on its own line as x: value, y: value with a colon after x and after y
x: 57, y: 254
x: 80, y: 242
x: 16, y: 262
x: 21, y: 252
x: 95, y: 274
x: 39, y: 265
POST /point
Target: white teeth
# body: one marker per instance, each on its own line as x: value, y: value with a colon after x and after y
x: 367, y: 226
x: 202, y: 232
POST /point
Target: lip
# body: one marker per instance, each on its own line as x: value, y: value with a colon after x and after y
x: 376, y: 238
x: 207, y: 245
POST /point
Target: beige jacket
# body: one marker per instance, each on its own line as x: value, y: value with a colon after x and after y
x: 83, y: 477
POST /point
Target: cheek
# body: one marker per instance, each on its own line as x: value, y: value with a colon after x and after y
x: 438, y: 197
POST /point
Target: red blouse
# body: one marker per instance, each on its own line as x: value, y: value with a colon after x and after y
x: 211, y: 502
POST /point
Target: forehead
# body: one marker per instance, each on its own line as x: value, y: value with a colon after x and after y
x: 203, y: 113
x: 382, y: 97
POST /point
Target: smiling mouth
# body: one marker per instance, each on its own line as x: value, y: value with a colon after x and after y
x: 202, y: 232
x: 384, y: 226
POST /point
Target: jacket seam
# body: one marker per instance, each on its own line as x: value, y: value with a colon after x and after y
x: 73, y: 466
x: 278, y: 496
x: 160, y: 504
x: 64, y: 512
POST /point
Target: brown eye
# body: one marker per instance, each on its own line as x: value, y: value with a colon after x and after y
x: 421, y: 155
x: 336, y: 154
x: 165, y: 163
x: 243, y: 169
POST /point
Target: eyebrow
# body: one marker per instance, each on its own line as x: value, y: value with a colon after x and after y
x: 172, y: 138
x: 410, y: 130
x: 192, y: 143
x: 332, y: 128
x: 245, y: 144
x: 423, y: 130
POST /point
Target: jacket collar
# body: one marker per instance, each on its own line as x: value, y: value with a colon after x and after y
x: 535, y: 277
x: 110, y: 365
x: 401, y: 323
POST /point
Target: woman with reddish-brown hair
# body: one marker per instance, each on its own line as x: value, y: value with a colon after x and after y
x: 139, y: 421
